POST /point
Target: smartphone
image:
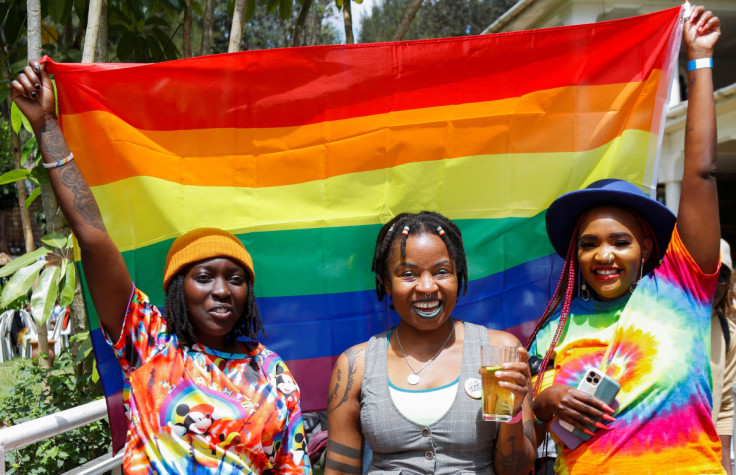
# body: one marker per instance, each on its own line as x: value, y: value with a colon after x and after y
x: 601, y: 386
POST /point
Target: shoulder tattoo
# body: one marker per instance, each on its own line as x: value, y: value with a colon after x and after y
x: 353, y: 358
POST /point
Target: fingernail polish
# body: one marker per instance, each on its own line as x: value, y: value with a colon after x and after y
x: 34, y: 95
x: 38, y: 67
x: 37, y: 86
x: 600, y: 425
x: 588, y: 432
x: 609, y: 418
x: 608, y: 408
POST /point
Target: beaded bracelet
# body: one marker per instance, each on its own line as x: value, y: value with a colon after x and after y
x: 61, y: 162
x: 536, y: 419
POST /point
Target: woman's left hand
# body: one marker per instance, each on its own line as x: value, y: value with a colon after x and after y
x: 701, y: 33
x: 517, y: 377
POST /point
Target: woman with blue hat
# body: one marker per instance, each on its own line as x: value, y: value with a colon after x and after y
x: 633, y: 301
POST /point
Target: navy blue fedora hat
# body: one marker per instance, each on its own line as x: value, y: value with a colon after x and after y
x: 563, y: 213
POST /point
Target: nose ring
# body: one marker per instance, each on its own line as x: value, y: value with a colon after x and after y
x: 426, y: 296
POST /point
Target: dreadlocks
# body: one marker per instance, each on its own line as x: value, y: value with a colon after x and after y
x: 412, y: 224
x: 567, y: 288
x: 177, y: 317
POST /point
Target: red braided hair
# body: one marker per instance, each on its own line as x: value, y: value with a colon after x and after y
x: 568, y: 278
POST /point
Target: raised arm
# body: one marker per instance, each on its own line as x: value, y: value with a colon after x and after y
x: 345, y: 443
x: 107, y: 276
x: 697, y: 220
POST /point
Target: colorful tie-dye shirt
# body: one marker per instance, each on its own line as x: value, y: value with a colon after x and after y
x: 660, y: 355
x: 197, y: 410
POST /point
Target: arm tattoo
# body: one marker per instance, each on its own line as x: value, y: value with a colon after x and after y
x: 52, y: 142
x: 342, y: 467
x: 344, y: 450
x: 352, y: 356
x: 333, y: 394
x: 516, y: 461
x: 84, y: 200
x: 529, y: 432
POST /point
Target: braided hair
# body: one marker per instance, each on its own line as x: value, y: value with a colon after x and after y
x: 568, y: 285
x: 177, y: 317
x: 413, y: 224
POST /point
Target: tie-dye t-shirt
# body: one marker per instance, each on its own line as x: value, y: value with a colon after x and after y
x: 197, y: 410
x: 660, y: 355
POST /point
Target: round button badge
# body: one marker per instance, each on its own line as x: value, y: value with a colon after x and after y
x: 473, y: 388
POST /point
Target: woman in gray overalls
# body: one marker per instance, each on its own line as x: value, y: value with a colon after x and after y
x: 412, y: 392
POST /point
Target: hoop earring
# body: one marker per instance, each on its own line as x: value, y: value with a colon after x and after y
x: 584, y: 292
x: 641, y: 274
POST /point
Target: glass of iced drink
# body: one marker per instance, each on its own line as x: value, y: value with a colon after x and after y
x: 498, y: 402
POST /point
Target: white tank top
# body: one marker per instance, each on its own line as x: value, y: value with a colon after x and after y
x: 424, y: 406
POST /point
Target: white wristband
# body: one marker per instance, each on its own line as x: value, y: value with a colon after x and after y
x: 699, y: 64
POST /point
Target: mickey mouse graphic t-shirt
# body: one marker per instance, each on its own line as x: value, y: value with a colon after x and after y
x: 197, y: 410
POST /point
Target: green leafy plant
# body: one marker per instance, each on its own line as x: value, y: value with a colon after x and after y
x: 37, y: 174
x: 48, y: 273
x: 38, y: 392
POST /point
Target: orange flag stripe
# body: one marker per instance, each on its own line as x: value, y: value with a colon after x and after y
x: 258, y: 157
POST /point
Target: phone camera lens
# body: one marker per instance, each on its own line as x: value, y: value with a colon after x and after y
x: 588, y: 379
x: 596, y: 380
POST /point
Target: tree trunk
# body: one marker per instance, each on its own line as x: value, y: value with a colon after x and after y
x: 3, y: 236
x: 34, y: 52
x: 186, y: 46
x: 93, y: 28
x: 34, y: 29
x: 409, y: 15
x: 43, y: 345
x: 298, y: 39
x: 236, y: 32
x: 101, y: 56
x: 96, y: 37
x: 20, y: 188
x: 208, y: 19
x: 348, y: 17
x: 78, y: 316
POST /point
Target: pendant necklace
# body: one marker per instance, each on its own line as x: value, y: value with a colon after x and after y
x: 413, y: 378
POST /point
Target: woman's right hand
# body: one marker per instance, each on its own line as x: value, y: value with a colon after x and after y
x: 572, y: 406
x: 33, y: 92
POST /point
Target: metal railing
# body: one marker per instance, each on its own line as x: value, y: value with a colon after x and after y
x: 21, y: 435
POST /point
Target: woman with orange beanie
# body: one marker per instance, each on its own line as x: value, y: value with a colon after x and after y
x: 200, y: 399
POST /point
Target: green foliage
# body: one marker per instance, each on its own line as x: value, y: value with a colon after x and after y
x: 434, y: 19
x: 21, y: 282
x: 263, y: 29
x: 38, y: 392
x: 18, y: 119
x: 48, y: 272
x: 8, y: 196
x: 143, y: 29
x: 14, y: 175
x: 340, y: 3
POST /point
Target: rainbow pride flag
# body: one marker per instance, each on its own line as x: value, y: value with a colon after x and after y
x: 303, y: 153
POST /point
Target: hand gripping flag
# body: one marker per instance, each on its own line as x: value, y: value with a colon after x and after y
x: 304, y: 152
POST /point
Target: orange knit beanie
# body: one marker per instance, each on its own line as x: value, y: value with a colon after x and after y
x: 201, y: 244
